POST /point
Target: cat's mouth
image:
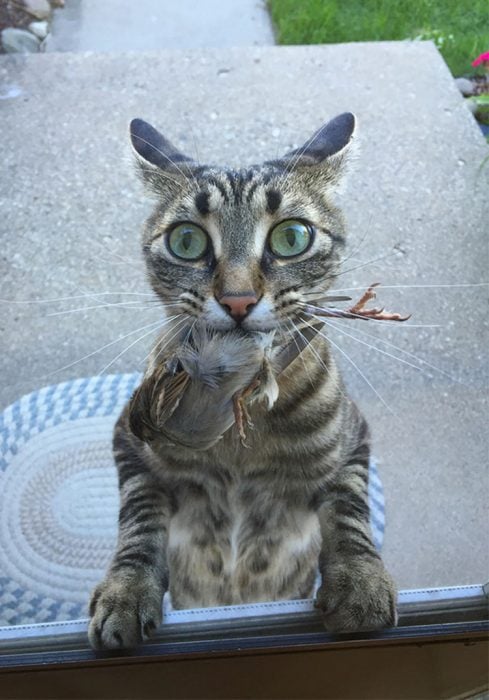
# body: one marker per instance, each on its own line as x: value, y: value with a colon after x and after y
x: 244, y: 329
x: 247, y: 325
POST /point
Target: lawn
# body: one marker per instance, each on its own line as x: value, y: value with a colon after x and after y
x: 459, y: 28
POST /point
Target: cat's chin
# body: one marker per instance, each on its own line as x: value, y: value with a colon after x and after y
x: 244, y: 328
x: 258, y: 328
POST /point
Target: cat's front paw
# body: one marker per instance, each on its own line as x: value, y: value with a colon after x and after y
x: 124, y: 612
x: 358, y: 595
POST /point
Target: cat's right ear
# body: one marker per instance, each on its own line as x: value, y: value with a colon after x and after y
x: 157, y: 155
x: 326, y: 154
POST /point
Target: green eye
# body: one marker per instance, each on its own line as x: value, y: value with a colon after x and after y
x: 290, y: 238
x: 188, y: 241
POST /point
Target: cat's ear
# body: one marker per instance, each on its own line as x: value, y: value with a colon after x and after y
x: 327, y: 151
x: 156, y: 155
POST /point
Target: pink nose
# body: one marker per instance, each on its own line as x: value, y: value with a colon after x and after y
x: 238, y: 306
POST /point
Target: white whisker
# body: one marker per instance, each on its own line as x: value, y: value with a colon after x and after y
x: 144, y: 360
x: 134, y: 305
x: 125, y: 350
x: 132, y: 344
x: 162, y: 174
x: 300, y: 354
x: 294, y: 161
x: 311, y: 347
x: 154, y: 324
x: 168, y: 341
x: 357, y: 248
x: 367, y: 381
x: 172, y: 162
x: 367, y: 318
x: 404, y: 352
x: 365, y: 264
x: 384, y: 352
x: 123, y: 304
x: 73, y: 297
x: 414, y: 286
x: 121, y: 261
x: 190, y: 331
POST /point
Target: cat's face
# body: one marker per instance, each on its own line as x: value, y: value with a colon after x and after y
x: 243, y: 248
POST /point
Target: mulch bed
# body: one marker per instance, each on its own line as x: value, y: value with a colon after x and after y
x: 12, y: 14
x: 481, y: 84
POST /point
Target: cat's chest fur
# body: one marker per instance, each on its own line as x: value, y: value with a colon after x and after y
x: 240, y: 543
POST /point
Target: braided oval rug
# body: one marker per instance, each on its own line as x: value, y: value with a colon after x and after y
x: 59, y: 497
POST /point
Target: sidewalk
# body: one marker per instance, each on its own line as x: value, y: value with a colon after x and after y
x: 73, y: 209
x: 146, y: 25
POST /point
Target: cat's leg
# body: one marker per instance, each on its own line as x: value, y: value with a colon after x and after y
x: 126, y: 606
x: 356, y: 592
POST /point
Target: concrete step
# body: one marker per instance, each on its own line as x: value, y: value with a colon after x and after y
x: 112, y: 25
x: 72, y: 210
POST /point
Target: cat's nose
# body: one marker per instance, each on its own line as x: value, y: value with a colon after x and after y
x: 238, y: 305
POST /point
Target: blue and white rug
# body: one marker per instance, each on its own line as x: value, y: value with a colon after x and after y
x: 59, y: 497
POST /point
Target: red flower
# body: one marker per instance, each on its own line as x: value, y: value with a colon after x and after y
x: 483, y: 58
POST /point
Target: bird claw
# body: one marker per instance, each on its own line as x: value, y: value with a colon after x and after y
x: 241, y: 414
x: 358, y: 310
x: 364, y: 299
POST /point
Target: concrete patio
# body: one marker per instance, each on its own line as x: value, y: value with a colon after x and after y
x: 112, y: 25
x: 72, y: 210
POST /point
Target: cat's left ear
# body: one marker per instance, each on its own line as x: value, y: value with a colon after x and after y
x: 157, y: 155
x: 327, y: 151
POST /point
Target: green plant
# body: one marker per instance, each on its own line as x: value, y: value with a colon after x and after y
x: 482, y: 107
x: 459, y: 28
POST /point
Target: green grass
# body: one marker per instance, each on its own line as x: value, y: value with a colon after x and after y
x: 459, y: 28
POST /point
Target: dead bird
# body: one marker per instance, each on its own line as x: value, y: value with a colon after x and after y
x: 199, y: 388
x: 194, y: 392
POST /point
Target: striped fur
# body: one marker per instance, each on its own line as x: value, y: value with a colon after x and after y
x: 231, y: 524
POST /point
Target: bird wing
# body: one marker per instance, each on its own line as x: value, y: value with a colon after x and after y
x: 155, y: 400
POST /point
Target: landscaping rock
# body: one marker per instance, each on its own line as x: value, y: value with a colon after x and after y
x: 19, y: 41
x: 41, y: 9
x: 40, y: 29
x: 465, y: 86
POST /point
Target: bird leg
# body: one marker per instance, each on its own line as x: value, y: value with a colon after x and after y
x: 241, y: 414
x: 358, y: 310
x: 367, y: 296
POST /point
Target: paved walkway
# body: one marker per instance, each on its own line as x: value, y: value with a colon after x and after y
x: 145, y: 25
x: 72, y: 211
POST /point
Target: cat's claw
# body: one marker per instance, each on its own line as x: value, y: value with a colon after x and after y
x: 124, y: 612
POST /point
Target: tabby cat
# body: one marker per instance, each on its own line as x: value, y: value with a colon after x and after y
x: 241, y: 252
